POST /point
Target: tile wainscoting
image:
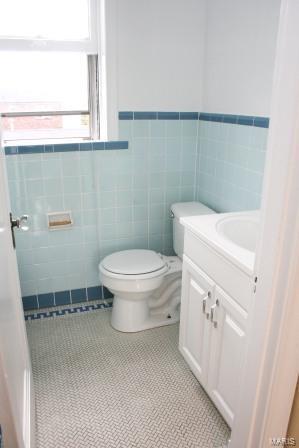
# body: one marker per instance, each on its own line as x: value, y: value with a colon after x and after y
x: 121, y: 198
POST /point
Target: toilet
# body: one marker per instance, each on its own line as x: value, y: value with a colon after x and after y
x: 146, y: 284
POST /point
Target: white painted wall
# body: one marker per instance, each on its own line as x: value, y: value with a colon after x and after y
x: 160, y: 54
x: 202, y: 55
x: 240, y: 46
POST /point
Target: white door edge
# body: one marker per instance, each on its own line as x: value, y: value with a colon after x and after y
x: 272, y: 363
x: 28, y: 405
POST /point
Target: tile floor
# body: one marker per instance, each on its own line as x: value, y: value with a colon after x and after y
x: 98, y: 388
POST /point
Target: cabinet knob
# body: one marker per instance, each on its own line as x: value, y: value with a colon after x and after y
x: 209, y: 294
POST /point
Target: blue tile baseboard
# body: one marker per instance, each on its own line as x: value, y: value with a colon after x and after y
x: 48, y: 300
x: 66, y: 147
x: 68, y: 310
x: 246, y: 120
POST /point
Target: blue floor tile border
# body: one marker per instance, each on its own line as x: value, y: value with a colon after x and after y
x: 69, y: 310
x: 66, y: 147
x: 68, y: 297
x: 245, y: 120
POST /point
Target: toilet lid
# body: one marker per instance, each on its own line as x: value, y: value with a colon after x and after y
x: 133, y: 262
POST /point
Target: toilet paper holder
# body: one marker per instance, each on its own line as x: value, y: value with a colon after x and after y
x: 60, y: 220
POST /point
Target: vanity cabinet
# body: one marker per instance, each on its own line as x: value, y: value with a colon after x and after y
x: 195, y: 331
x: 212, y: 337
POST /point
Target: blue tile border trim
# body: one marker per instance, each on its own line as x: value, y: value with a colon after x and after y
x: 245, y: 120
x: 68, y: 310
x: 189, y: 115
x: 168, y: 115
x: 126, y: 115
x: 65, y: 147
x: 69, y: 297
x: 145, y: 115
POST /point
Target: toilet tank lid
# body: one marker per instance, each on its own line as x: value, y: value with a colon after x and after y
x: 181, y: 209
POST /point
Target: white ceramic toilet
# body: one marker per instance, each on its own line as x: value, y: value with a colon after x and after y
x: 147, y: 285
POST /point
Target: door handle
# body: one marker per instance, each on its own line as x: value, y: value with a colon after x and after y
x: 20, y: 223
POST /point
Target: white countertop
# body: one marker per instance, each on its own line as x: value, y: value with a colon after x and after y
x: 204, y: 227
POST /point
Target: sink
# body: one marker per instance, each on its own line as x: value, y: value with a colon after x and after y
x: 233, y: 235
x: 240, y: 230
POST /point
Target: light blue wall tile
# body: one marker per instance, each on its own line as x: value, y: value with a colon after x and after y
x: 90, y: 217
x: 72, y: 201
x: 58, y: 238
x: 141, y: 128
x: 29, y: 288
x: 140, y: 212
x: 125, y: 129
x: 87, y: 184
x: 13, y: 168
x: 230, y: 166
x: 71, y: 185
x: 189, y: 128
x: 35, y: 188
x: 44, y: 285
x: 51, y: 167
x: 90, y: 233
x: 173, y: 129
x: 53, y: 187
x: 33, y: 170
x: 157, y: 129
x: 54, y: 203
x: 70, y: 165
x: 124, y: 214
x: 121, y: 199
x: 157, y: 179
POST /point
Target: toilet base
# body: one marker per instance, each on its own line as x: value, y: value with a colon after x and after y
x: 151, y: 321
x: 137, y: 310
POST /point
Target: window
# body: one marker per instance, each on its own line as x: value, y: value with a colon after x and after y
x: 48, y: 24
x: 46, y: 95
x: 45, y: 19
x: 49, y: 73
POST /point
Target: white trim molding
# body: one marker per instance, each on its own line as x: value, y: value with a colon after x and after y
x: 107, y: 51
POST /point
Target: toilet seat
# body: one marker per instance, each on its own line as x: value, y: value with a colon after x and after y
x: 137, y: 262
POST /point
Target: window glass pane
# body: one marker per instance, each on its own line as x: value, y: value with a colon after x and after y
x: 45, y: 127
x: 45, y: 19
x: 33, y: 82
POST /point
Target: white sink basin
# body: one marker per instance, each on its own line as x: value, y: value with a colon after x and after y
x: 233, y: 235
x: 240, y: 230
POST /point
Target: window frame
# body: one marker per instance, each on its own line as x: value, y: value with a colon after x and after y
x: 88, y: 46
x: 103, y: 43
x: 92, y: 111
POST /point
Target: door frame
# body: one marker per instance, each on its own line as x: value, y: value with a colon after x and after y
x: 272, y: 361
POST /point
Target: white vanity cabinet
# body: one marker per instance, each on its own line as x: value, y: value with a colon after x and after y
x: 227, y: 345
x: 212, y: 332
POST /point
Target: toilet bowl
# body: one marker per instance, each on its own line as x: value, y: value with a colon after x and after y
x: 134, y: 276
x: 147, y: 285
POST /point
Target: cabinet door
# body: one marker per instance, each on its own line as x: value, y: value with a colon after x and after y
x: 195, y: 327
x: 226, y: 354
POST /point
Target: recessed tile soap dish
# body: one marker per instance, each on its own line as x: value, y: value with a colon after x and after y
x: 59, y: 220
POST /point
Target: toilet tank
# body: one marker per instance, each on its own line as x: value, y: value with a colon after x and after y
x: 179, y: 210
